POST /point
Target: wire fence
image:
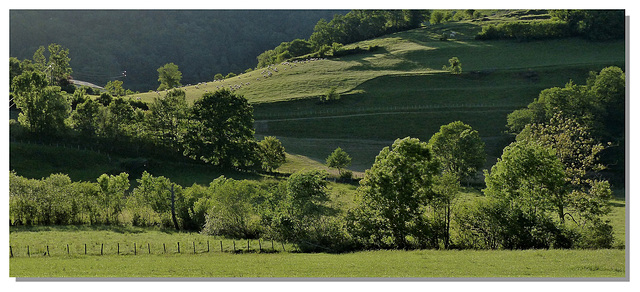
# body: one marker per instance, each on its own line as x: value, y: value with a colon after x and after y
x: 149, y: 248
x: 380, y: 109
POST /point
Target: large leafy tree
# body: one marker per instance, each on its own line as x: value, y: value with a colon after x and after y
x: 220, y: 130
x: 169, y: 76
x: 533, y: 198
x: 579, y: 154
x: 59, y: 67
x: 393, y: 196
x: 86, y: 118
x: 459, y: 149
x: 115, y: 88
x: 531, y: 177
x: 44, y: 108
x: 168, y: 118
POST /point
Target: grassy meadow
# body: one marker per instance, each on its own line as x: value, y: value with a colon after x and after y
x: 376, y: 264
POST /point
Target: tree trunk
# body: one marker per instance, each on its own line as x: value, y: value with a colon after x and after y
x: 173, y: 209
x: 448, y: 224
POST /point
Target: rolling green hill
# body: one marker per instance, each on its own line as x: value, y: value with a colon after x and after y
x: 400, y: 89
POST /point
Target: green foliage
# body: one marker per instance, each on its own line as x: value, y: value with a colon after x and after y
x: 526, y: 31
x: 526, y: 189
x: 59, y: 68
x: 330, y: 96
x: 579, y: 153
x: 169, y: 76
x: 393, y: 197
x: 220, y: 130
x: 86, y: 118
x: 272, y: 153
x: 297, y: 211
x: 233, y: 208
x: 339, y: 159
x: 115, y: 88
x: 283, y: 52
x: 44, y: 108
x: 598, y: 25
x: 111, y: 195
x: 437, y: 17
x: 459, y: 150
x: 359, y: 25
x: 167, y: 119
x: 534, y: 194
x: 455, y: 67
x: 598, y: 105
x: 530, y: 177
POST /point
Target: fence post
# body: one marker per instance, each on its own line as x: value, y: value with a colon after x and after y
x: 149, y: 247
x: 67, y: 249
x: 194, y: 247
x: 101, y: 248
x: 28, y: 252
x: 234, y: 246
x: 207, y: 246
x: 272, y: 244
x: 135, y: 249
x: 11, y: 250
x: 85, y: 249
x: 248, y: 247
x: 178, y: 247
x: 221, y: 246
x: 118, y: 248
x: 48, y: 251
x: 164, y: 247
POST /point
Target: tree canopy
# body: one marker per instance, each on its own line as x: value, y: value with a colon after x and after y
x: 459, y: 149
x: 220, y: 130
x: 169, y: 76
x: 393, y: 195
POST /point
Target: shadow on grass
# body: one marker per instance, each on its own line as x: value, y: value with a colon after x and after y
x: 76, y: 228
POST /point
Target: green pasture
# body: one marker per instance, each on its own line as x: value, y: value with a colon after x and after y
x: 379, y: 264
x: 416, y: 51
x: 400, y: 89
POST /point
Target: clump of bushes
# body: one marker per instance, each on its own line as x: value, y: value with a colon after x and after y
x: 525, y: 31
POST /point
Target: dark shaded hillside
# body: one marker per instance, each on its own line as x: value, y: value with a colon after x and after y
x: 104, y: 43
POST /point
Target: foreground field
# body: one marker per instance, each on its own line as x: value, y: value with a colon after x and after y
x: 150, y: 260
x: 379, y: 264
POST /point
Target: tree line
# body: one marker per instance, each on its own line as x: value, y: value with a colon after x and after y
x: 357, y: 25
x: 217, y: 129
x: 595, y: 25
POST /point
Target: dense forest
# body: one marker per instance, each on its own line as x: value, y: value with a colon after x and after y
x: 105, y: 43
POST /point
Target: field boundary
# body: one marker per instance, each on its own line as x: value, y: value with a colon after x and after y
x: 149, y: 248
x: 353, y: 112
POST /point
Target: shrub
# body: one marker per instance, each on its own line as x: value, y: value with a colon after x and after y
x: 526, y: 31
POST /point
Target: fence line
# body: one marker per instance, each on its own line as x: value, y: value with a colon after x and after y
x: 381, y: 109
x: 102, y: 249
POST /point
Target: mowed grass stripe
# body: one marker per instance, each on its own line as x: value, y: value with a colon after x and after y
x: 379, y: 264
